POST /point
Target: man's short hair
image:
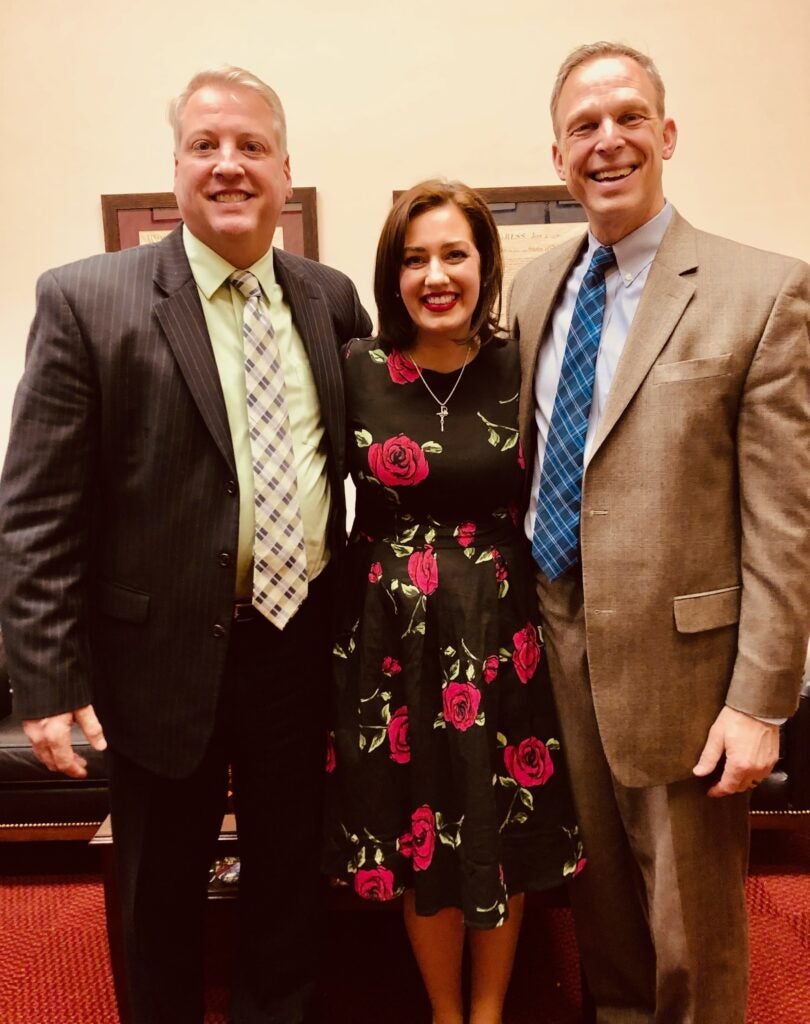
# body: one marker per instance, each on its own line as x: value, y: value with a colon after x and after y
x: 228, y: 74
x: 591, y: 51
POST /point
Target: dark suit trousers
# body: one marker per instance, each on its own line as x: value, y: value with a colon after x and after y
x: 271, y: 729
x: 660, y: 906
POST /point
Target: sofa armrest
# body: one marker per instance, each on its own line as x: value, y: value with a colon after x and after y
x: 797, y: 752
x: 5, y: 686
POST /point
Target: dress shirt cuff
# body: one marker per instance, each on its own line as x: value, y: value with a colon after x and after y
x: 764, y: 720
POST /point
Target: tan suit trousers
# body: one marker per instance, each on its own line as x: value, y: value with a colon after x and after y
x: 660, y: 907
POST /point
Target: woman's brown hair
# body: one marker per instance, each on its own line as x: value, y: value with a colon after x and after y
x: 396, y: 327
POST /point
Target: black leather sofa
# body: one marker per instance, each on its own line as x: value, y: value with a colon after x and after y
x: 36, y: 804
x: 783, y: 799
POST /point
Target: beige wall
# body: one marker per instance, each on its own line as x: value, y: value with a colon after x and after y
x: 378, y: 96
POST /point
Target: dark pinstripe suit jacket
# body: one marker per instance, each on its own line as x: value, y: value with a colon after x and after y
x: 119, y: 503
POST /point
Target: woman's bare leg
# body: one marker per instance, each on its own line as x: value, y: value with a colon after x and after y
x: 493, y: 954
x: 438, y: 944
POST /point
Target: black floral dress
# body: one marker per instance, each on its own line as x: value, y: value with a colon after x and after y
x: 446, y: 774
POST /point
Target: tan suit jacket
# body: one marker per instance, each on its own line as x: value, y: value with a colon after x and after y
x: 695, y: 527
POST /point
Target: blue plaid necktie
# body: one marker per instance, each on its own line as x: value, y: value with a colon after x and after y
x: 555, y: 544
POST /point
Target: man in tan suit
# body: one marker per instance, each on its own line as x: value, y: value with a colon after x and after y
x: 677, y: 619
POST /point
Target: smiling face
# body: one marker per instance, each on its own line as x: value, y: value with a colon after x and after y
x: 231, y: 177
x: 611, y: 144
x: 440, y: 277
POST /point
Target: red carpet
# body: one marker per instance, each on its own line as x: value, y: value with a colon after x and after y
x: 779, y: 906
x: 54, y: 970
x: 53, y: 953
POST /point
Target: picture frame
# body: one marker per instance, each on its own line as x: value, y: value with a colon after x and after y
x: 141, y: 218
x: 531, y: 204
x: 531, y: 219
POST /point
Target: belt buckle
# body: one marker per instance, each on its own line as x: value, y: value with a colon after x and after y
x: 243, y: 611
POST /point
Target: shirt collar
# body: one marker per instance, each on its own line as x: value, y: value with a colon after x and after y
x: 637, y: 250
x: 211, y: 271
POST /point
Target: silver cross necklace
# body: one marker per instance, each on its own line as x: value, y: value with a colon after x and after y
x: 443, y: 412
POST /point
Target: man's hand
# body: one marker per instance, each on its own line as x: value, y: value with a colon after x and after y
x: 50, y: 740
x: 751, y: 748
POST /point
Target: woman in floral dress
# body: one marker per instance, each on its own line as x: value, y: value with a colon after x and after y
x: 448, y: 782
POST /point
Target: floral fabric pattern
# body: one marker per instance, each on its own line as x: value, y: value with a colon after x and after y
x: 399, y: 462
x: 447, y: 775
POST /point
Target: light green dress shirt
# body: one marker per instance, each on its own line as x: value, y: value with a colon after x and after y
x: 222, y: 307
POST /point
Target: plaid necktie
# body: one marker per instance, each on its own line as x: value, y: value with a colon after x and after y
x: 279, y: 560
x: 555, y: 544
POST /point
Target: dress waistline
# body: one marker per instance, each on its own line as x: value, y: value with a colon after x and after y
x: 488, y: 531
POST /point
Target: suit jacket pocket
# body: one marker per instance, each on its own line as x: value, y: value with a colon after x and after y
x: 122, y: 602
x: 696, y: 613
x: 691, y: 369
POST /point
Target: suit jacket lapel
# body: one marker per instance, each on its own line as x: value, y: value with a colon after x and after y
x: 310, y: 313
x: 536, y: 310
x: 181, y: 317
x: 666, y: 295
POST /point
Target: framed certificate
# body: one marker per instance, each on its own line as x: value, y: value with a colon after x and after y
x: 142, y: 218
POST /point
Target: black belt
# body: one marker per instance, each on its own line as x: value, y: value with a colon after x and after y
x: 244, y: 611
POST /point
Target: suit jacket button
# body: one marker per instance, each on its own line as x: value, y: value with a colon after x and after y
x: 230, y: 487
x: 224, y: 559
x: 217, y: 630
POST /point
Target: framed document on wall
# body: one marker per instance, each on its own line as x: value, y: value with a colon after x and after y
x: 141, y: 218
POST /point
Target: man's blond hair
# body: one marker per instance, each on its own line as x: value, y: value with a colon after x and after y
x: 229, y: 75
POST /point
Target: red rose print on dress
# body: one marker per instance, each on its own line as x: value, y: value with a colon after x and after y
x: 374, y: 883
x: 398, y: 736
x: 406, y: 844
x: 330, y: 753
x: 423, y: 831
x: 460, y: 704
x: 398, y: 462
x: 491, y: 666
x: 520, y: 457
x: 580, y: 865
x: 526, y: 656
x: 423, y: 570
x: 465, y: 532
x: 400, y: 368
x: 374, y: 572
x: 391, y: 666
x: 529, y: 763
x: 501, y: 572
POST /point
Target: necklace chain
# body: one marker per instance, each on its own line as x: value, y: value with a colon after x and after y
x: 443, y: 412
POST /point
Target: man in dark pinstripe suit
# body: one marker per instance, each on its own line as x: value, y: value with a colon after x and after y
x: 126, y: 510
